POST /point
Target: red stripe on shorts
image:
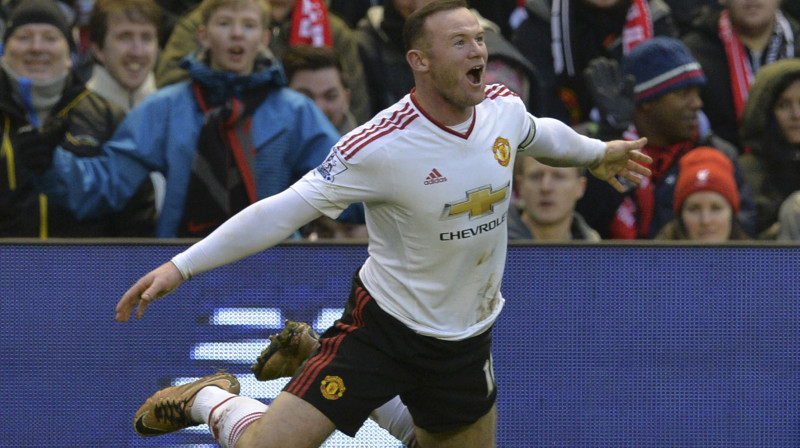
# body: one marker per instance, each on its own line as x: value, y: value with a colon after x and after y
x: 329, y: 347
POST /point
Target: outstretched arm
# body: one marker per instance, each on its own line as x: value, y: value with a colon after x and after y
x: 258, y: 227
x: 556, y: 144
x: 622, y: 158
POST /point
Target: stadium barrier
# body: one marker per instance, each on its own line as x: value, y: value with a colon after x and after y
x: 604, y: 345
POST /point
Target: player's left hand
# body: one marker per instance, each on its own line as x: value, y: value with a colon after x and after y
x: 624, y: 160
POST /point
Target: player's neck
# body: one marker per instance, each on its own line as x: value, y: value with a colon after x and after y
x: 438, y: 108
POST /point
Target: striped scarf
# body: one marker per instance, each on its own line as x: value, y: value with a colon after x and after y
x: 310, y: 24
x: 742, y: 70
x: 222, y: 182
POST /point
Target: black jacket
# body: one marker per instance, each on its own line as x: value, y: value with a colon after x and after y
x: 592, y: 30
x: 704, y: 42
x: 24, y: 212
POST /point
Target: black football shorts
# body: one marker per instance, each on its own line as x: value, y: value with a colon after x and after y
x: 367, y: 357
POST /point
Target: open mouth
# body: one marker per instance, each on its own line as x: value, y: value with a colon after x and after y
x: 475, y: 74
x: 237, y: 51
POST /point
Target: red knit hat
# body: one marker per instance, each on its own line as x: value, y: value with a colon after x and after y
x: 705, y: 169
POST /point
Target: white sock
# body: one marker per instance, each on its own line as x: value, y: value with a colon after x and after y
x: 226, y: 414
x: 395, y: 418
x: 205, y: 400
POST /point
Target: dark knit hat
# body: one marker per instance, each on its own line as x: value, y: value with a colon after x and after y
x: 37, y: 11
x: 705, y: 169
x: 661, y: 65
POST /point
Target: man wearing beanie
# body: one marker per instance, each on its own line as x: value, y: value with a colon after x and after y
x: 666, y: 105
x: 43, y: 106
x: 706, y: 199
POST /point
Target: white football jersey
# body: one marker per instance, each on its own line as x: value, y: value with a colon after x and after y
x: 436, y: 204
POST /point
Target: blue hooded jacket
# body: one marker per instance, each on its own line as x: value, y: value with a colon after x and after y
x: 290, y: 134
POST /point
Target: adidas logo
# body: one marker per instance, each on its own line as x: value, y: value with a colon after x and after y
x: 435, y: 177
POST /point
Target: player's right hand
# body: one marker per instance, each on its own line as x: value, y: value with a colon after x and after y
x: 156, y: 284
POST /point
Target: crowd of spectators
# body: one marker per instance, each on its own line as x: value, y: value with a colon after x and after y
x: 147, y: 118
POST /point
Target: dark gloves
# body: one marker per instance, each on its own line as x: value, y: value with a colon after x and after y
x: 612, y: 95
x: 34, y: 148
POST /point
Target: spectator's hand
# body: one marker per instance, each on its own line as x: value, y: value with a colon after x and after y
x: 34, y: 148
x: 156, y: 284
x: 623, y: 159
x: 612, y: 94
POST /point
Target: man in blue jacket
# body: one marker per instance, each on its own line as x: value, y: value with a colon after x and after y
x: 232, y: 134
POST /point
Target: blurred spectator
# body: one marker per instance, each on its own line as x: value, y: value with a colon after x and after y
x: 73, y: 12
x: 380, y: 45
x: 770, y: 131
x: 561, y: 37
x: 732, y: 45
x: 389, y: 78
x: 507, y: 66
x: 124, y: 46
x: 545, y: 209
x: 201, y: 133
x: 788, y: 226
x: 706, y: 200
x: 329, y: 30
x: 317, y: 73
x: 45, y: 106
x: 667, y: 112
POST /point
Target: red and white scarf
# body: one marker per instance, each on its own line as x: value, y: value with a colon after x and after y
x: 518, y: 15
x: 638, y: 28
x: 781, y: 46
x: 635, y: 215
x: 310, y: 24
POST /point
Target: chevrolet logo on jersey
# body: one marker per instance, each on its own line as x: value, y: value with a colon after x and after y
x: 479, y: 202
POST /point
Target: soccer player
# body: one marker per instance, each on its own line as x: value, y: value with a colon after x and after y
x: 419, y: 318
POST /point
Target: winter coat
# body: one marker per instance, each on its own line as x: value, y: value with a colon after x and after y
x: 717, y: 95
x: 566, y: 97
x: 161, y: 135
x: 772, y: 167
x: 600, y: 203
x: 24, y: 210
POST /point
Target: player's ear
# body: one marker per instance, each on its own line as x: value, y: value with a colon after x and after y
x: 417, y: 60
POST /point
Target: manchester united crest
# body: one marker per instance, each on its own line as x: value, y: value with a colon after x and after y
x: 332, y: 387
x: 502, y: 151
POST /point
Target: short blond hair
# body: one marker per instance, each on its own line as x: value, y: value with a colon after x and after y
x: 208, y: 7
